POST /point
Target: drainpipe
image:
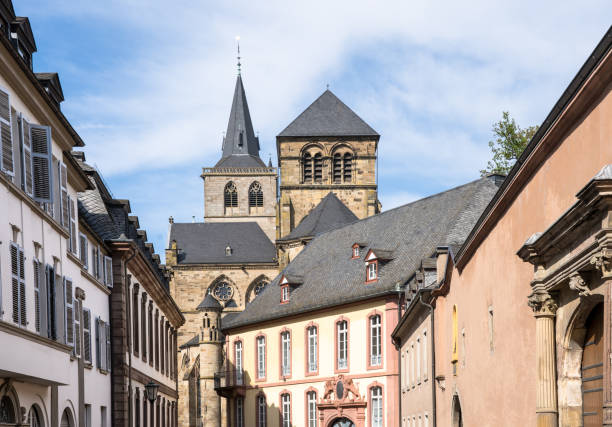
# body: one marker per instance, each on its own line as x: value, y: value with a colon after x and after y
x: 433, y: 360
x: 399, y: 356
x: 129, y: 331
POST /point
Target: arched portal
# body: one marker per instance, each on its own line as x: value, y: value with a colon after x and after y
x: 457, y: 415
x: 592, y: 369
x: 67, y: 420
x: 341, y: 422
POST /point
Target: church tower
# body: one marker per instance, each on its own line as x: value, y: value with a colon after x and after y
x: 240, y: 187
x: 327, y: 148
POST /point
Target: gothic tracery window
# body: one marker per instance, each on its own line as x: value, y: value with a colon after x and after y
x: 230, y: 195
x: 223, y: 291
x: 259, y: 287
x: 255, y: 195
x: 7, y: 411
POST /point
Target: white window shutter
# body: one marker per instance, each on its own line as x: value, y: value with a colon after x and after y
x: 27, y: 180
x: 69, y: 311
x: 83, y: 250
x: 87, y: 335
x: 15, y: 281
x: 72, y: 230
x: 108, y: 271
x: 40, y: 137
x: 6, y: 134
x: 77, y: 328
x: 100, y: 343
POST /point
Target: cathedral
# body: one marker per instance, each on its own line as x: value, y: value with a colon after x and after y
x: 255, y: 224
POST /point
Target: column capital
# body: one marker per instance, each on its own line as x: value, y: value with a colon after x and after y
x: 602, y: 261
x: 542, y: 304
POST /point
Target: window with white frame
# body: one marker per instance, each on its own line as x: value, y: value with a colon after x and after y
x: 285, y: 293
x: 286, y: 353
x: 311, y: 398
x: 312, y: 349
x: 377, y: 406
x: 286, y: 410
x: 239, y: 412
x: 261, y: 357
x: 342, y: 344
x: 261, y: 411
x: 372, y: 271
x: 375, y: 340
x: 238, y: 361
x: 355, y: 251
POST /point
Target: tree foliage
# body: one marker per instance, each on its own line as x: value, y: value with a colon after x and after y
x: 510, y: 141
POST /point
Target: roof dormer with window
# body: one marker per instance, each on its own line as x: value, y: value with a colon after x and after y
x: 356, y: 250
x: 373, y: 260
x: 287, y: 283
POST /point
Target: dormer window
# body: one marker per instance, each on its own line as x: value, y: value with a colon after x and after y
x: 284, y: 294
x: 355, y: 251
x: 372, y: 271
x: 228, y: 250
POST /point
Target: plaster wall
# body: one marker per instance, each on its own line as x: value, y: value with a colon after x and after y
x: 496, y: 372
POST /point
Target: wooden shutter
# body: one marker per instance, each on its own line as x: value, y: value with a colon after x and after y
x: 37, y: 281
x: 64, y: 200
x: 27, y: 182
x: 77, y: 327
x: 101, y: 344
x: 16, y: 282
x: 73, y: 229
x: 50, y: 302
x: 83, y: 250
x: 6, y: 134
x: 40, y: 137
x: 108, y: 271
x: 69, y: 312
x: 100, y: 261
x: 87, y: 335
x: 108, y: 346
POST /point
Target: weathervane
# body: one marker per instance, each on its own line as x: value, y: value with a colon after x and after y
x: 238, y: 43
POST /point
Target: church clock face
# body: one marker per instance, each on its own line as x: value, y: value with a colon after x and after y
x: 223, y: 291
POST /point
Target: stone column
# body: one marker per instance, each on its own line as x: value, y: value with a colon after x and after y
x: 545, y: 307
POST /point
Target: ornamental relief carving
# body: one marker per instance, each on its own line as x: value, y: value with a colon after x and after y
x: 577, y: 283
x: 603, y: 262
x: 542, y: 304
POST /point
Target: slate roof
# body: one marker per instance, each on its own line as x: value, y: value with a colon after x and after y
x: 209, y: 303
x: 412, y: 232
x: 328, y: 116
x: 240, y: 145
x: 205, y: 243
x: 329, y: 214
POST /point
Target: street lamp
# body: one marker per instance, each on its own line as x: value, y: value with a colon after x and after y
x: 151, y: 389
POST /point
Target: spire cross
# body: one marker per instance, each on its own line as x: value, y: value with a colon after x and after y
x: 238, y: 43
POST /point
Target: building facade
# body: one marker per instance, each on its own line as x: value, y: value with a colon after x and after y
x: 51, y: 306
x: 314, y: 348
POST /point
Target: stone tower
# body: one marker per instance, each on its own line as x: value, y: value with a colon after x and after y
x: 326, y: 148
x: 240, y: 187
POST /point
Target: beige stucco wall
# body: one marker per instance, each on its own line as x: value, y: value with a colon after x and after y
x: 498, y: 384
x: 298, y: 382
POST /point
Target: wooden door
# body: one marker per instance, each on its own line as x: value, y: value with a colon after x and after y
x: 592, y: 370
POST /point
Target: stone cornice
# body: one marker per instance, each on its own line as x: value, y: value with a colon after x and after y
x: 327, y: 186
x: 188, y: 267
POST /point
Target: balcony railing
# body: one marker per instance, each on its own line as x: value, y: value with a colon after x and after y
x: 229, y: 378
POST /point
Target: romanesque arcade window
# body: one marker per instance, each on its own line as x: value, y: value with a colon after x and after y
x: 255, y: 195
x: 230, y: 195
x: 342, y: 168
x: 318, y: 168
x: 307, y: 167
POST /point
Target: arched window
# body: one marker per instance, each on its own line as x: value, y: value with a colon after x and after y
x: 7, y: 411
x: 67, y: 420
x: 347, y: 163
x: 35, y: 419
x: 318, y: 168
x: 375, y: 335
x: 259, y: 287
x: 286, y: 410
x: 231, y: 195
x: 311, y: 398
x: 307, y: 167
x: 313, y: 352
x: 337, y: 168
x: 376, y: 403
x: 255, y: 195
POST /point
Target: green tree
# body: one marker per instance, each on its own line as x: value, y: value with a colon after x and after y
x: 510, y: 141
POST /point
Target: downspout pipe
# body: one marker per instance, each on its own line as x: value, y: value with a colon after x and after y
x: 399, y: 360
x: 129, y: 332
x: 433, y: 358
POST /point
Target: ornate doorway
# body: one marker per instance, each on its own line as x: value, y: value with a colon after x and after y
x: 342, y: 422
x: 592, y: 369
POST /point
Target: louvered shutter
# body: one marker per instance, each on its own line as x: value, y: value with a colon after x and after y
x: 87, y: 335
x: 6, y: 134
x: 94, y: 261
x: 37, y: 287
x: 99, y: 343
x: 108, y: 271
x: 16, y: 147
x: 108, y: 346
x: 69, y: 312
x: 77, y: 328
x: 72, y: 229
x: 83, y: 250
x: 63, y: 185
x: 40, y: 136
x: 15, y: 280
x: 27, y: 182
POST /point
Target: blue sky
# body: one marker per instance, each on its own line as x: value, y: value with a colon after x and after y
x: 148, y: 84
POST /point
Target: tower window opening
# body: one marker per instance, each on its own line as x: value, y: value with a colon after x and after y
x: 231, y: 195
x: 307, y: 165
x: 348, y: 167
x: 318, y: 168
x: 337, y: 169
x: 255, y: 195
